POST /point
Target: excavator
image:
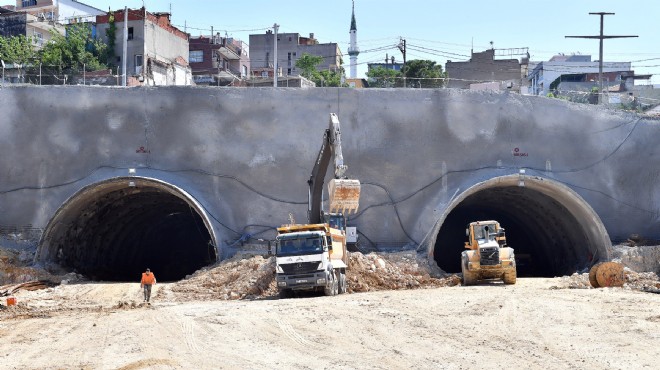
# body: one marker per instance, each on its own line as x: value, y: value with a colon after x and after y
x: 313, y: 256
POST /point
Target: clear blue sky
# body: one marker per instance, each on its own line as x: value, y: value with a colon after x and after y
x: 434, y: 29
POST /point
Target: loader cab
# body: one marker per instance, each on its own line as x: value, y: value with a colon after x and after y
x: 335, y: 220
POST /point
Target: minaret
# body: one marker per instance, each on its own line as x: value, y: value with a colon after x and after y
x: 353, y: 49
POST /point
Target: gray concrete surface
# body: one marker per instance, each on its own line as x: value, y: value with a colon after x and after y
x: 429, y: 161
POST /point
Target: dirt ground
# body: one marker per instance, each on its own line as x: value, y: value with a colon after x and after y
x: 400, y: 314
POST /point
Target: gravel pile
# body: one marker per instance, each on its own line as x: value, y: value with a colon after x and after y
x: 253, y: 277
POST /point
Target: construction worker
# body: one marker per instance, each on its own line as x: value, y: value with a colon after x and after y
x: 148, y: 279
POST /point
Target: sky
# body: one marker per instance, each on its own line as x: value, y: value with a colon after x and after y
x: 438, y: 30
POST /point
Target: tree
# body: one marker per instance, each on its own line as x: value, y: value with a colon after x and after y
x: 16, y: 50
x: 328, y: 79
x: 76, y: 49
x: 383, y: 77
x: 423, y: 73
x: 307, y: 64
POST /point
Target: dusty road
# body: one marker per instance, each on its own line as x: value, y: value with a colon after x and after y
x: 527, y: 326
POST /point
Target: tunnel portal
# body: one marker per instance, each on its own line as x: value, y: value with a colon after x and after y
x: 113, y: 231
x: 552, y: 230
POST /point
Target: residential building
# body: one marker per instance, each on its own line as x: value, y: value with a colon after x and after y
x: 390, y: 63
x: 290, y: 47
x: 60, y: 11
x: 573, y: 68
x: 157, y: 52
x: 358, y: 83
x: 34, y: 28
x: 484, y: 67
x: 219, y: 61
x: 285, y: 81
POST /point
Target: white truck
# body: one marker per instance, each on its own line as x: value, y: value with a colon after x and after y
x: 312, y: 256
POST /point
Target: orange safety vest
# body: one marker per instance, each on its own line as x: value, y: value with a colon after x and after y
x: 148, y: 278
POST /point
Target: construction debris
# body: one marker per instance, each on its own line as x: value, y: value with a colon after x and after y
x: 7, y: 290
x: 253, y: 277
x: 606, y: 274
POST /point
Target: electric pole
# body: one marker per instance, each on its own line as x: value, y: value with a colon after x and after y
x: 276, y: 27
x: 402, y: 48
x: 601, y: 37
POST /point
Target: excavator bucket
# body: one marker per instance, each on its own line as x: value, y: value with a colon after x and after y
x: 344, y: 195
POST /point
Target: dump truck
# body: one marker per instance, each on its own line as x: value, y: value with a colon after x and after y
x: 488, y: 256
x: 313, y: 256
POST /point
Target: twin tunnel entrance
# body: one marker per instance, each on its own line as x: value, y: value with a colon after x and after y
x: 115, y: 229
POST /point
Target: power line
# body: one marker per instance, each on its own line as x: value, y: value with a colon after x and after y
x: 600, y: 37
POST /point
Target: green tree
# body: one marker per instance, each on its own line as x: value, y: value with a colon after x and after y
x: 111, y: 34
x: 423, y: 73
x: 16, y: 50
x: 383, y: 77
x: 328, y: 79
x: 307, y: 64
x: 71, y: 52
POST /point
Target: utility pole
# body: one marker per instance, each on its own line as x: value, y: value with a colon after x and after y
x: 402, y: 47
x: 275, y: 28
x: 125, y: 48
x: 601, y: 37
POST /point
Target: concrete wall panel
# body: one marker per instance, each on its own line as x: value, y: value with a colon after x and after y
x: 245, y: 154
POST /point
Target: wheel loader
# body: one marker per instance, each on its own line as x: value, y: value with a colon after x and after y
x: 488, y: 256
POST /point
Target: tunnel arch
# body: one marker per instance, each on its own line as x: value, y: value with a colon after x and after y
x: 114, y: 229
x: 553, y: 230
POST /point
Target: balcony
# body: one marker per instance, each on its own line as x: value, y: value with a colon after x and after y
x: 229, y: 51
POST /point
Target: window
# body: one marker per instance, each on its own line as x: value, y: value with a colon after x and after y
x: 244, y: 71
x: 196, y: 56
x: 38, y: 38
x: 130, y: 33
x: 138, y: 64
x: 264, y: 74
x: 29, y: 3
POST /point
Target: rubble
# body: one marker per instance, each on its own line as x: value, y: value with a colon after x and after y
x: 641, y: 281
x: 253, y: 277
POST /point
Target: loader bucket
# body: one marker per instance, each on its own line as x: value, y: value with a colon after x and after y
x: 344, y: 195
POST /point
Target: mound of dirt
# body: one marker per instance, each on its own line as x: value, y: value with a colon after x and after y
x: 393, y: 271
x: 642, y: 281
x: 253, y: 277
x: 236, y: 278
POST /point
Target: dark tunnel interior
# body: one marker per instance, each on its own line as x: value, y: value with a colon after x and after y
x: 115, y: 235
x: 548, y: 240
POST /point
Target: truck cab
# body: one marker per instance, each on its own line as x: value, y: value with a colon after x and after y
x: 310, y: 257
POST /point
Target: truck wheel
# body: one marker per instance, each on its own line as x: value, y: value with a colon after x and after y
x: 509, y: 276
x: 342, y: 283
x: 331, y: 286
x: 469, y: 278
x: 286, y: 293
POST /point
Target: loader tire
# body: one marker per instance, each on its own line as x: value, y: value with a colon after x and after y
x: 469, y: 278
x: 509, y: 276
x: 592, y: 275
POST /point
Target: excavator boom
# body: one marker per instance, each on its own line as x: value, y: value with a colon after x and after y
x: 343, y: 193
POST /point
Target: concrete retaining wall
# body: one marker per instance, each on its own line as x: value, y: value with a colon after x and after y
x: 245, y: 154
